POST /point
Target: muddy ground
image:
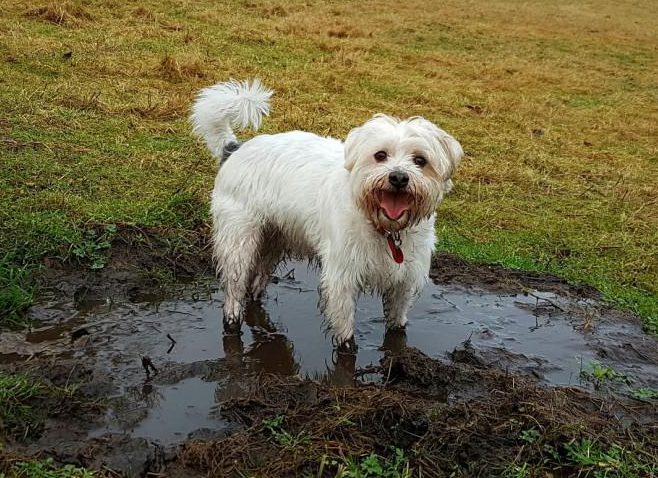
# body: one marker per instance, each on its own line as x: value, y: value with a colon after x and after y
x: 497, y: 370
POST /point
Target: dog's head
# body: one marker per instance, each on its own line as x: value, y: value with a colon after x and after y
x: 400, y: 170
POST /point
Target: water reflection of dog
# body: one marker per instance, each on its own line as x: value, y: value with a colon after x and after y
x: 272, y: 351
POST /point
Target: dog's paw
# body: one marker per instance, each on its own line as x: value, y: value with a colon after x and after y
x: 232, y: 327
x: 347, y: 347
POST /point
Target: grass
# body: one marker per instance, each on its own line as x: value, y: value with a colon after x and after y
x: 587, y: 458
x: 17, y: 393
x: 368, y: 466
x: 45, y: 469
x: 599, y: 375
x: 23, y: 403
x: 555, y: 109
x: 274, y: 428
x: 645, y: 393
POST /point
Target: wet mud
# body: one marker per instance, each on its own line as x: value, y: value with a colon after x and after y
x: 484, y: 348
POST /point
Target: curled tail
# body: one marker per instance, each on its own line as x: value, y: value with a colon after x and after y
x: 220, y: 108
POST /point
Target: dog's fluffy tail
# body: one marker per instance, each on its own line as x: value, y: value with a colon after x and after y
x: 220, y: 108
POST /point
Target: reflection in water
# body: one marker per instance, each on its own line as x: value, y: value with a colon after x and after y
x: 395, y: 340
x: 272, y: 352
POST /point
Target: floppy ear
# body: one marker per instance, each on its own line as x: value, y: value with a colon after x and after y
x: 356, y: 138
x: 452, y: 150
x: 352, y: 146
x: 449, y: 150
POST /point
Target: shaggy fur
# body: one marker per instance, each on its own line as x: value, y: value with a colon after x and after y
x: 364, y: 208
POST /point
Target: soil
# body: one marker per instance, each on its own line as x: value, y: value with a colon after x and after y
x: 488, y: 355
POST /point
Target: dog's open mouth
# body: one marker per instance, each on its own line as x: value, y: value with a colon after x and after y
x: 394, y: 204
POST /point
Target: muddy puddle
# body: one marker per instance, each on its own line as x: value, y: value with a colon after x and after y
x: 193, y: 368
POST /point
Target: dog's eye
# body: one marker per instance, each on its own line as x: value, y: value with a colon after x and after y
x: 420, y: 161
x: 380, y: 156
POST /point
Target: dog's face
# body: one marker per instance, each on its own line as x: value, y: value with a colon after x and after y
x: 400, y: 170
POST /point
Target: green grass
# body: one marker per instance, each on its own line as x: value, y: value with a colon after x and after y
x: 586, y: 458
x: 17, y: 395
x: 612, y: 462
x: 645, y: 393
x: 22, y: 401
x: 45, y: 469
x: 367, y: 466
x: 95, y: 97
x: 274, y: 428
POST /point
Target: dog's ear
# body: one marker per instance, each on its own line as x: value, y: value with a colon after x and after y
x: 358, y: 137
x: 450, y: 151
x: 352, y: 146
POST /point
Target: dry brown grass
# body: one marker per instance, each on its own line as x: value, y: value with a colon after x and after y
x: 171, y: 69
x: 60, y: 13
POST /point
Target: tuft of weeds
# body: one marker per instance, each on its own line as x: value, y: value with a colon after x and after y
x: 597, y: 461
x: 600, y: 375
x: 93, y: 247
x: 584, y: 457
x: 375, y: 466
x: 274, y: 428
x: 645, y: 393
x: 44, y: 469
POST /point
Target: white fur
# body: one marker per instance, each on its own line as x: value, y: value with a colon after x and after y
x: 229, y: 105
x: 301, y: 195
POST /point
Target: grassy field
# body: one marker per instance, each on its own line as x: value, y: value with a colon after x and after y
x: 554, y: 103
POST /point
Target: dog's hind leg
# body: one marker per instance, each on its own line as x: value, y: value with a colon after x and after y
x: 268, y: 258
x: 237, y: 240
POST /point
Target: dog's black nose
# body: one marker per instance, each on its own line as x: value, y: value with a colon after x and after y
x: 398, y: 179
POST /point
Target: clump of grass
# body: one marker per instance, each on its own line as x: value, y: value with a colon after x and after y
x: 24, y: 402
x: 173, y: 70
x: 16, y: 292
x: 17, y: 394
x: 44, y: 469
x: 60, y: 13
x: 586, y: 457
x: 615, y: 461
x: 600, y: 375
x: 274, y: 428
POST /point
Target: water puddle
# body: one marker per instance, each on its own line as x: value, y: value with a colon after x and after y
x: 549, y: 336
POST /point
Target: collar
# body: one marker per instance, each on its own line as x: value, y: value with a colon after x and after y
x: 394, y: 242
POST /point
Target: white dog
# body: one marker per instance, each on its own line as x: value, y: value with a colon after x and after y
x: 364, y: 208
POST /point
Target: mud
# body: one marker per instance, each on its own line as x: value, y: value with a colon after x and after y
x: 479, y: 338
x: 476, y: 436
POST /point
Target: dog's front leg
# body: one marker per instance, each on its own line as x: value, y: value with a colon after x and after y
x: 397, y: 300
x: 338, y: 293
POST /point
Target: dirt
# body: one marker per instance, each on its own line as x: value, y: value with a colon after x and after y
x: 488, y: 354
x: 477, y: 434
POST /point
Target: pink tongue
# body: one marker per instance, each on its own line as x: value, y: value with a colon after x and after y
x: 394, y: 205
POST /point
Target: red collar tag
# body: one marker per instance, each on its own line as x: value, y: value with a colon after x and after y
x: 394, y: 246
